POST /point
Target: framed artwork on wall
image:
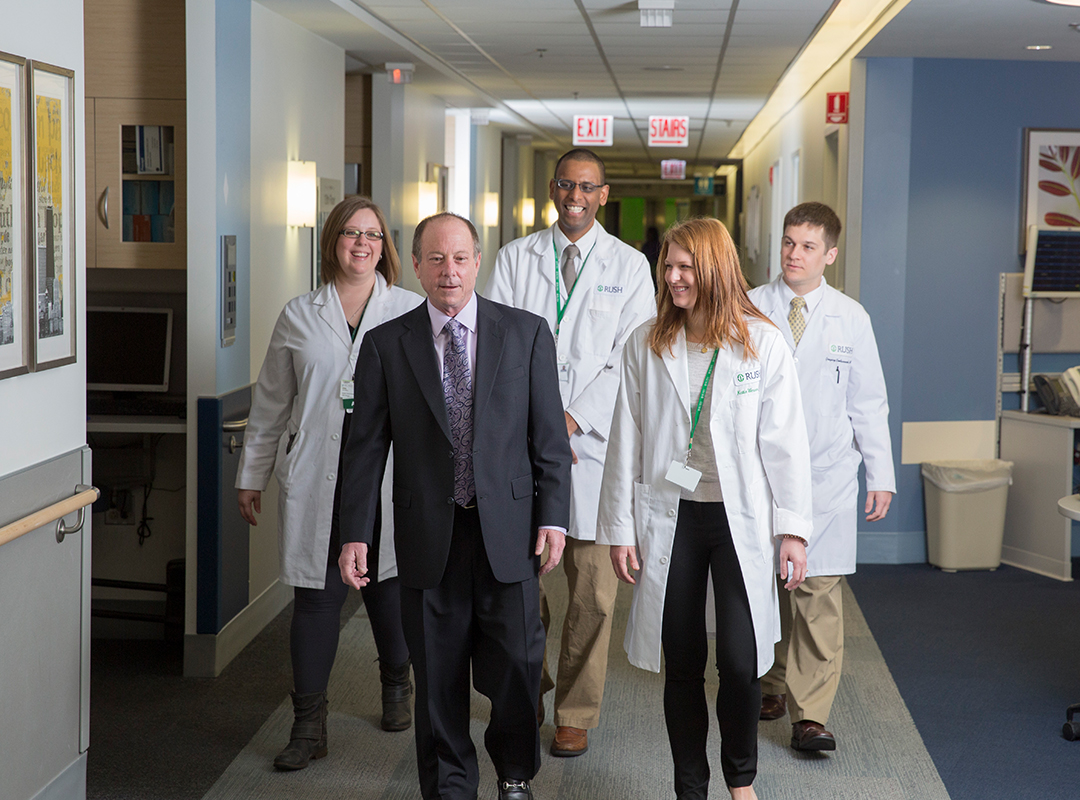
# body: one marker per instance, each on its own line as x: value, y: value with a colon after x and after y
x: 51, y: 142
x: 1051, y: 180
x: 14, y: 295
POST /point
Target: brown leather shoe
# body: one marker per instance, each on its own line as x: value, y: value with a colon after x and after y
x: 773, y: 706
x: 810, y: 735
x: 569, y: 741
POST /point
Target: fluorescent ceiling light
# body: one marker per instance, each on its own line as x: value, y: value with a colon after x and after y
x: 849, y: 22
x: 1039, y: 47
x: 656, y: 13
x: 1064, y: 2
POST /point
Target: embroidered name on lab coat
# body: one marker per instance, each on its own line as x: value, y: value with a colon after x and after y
x: 609, y: 289
x: 747, y: 382
x: 840, y: 353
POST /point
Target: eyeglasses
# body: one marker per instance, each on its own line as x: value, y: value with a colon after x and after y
x: 371, y: 236
x: 568, y: 186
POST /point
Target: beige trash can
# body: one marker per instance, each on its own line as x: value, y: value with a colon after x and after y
x: 965, y: 512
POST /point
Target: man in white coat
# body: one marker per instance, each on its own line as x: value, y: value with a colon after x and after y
x: 593, y: 290
x: 847, y: 419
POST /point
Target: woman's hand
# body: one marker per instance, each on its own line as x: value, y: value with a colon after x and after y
x: 620, y: 554
x: 250, y: 504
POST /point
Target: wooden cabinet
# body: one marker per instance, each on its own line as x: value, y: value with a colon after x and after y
x: 138, y: 210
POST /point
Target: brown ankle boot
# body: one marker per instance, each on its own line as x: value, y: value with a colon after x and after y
x: 307, y: 740
x: 396, y: 692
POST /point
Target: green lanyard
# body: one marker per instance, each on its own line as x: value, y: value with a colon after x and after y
x: 356, y: 330
x: 700, y: 403
x: 560, y: 309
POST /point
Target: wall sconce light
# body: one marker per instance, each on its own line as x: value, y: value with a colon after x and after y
x: 551, y: 214
x: 491, y: 209
x: 399, y: 71
x: 301, y: 194
x: 528, y: 212
x: 428, y: 199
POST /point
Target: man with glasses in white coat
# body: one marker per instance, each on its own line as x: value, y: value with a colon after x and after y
x: 593, y: 290
x: 847, y: 419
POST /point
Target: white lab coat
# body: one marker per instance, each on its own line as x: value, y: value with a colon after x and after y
x: 762, y: 458
x: 847, y: 416
x: 294, y: 428
x: 614, y: 295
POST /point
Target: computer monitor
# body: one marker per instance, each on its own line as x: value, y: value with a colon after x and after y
x: 128, y: 349
x: 1052, y: 266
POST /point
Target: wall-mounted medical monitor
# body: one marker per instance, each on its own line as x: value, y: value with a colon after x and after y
x: 1052, y: 267
x: 128, y: 349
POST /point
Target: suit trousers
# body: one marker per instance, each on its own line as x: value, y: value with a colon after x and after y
x: 703, y: 546
x: 810, y: 653
x: 586, y: 633
x: 471, y: 619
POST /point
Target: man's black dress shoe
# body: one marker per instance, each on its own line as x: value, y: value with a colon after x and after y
x: 514, y: 790
x: 810, y: 735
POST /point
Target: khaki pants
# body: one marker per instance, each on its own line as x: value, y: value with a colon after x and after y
x: 810, y: 653
x: 586, y: 633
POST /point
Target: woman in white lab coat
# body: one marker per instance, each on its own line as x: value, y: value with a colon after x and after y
x: 300, y: 413
x: 682, y: 502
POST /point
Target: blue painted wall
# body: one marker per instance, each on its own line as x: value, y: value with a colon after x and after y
x: 233, y: 109
x: 930, y: 267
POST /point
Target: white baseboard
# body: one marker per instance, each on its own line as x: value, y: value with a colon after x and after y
x: 207, y: 654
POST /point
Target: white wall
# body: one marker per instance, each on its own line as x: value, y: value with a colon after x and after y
x: 46, y: 411
x: 803, y: 129
x: 487, y: 169
x: 425, y: 142
x: 297, y: 114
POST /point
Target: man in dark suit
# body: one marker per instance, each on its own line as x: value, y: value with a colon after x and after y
x: 467, y: 392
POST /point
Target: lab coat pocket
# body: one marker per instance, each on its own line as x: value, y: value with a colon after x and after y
x: 290, y: 457
x: 603, y: 325
x: 833, y: 389
x: 744, y: 411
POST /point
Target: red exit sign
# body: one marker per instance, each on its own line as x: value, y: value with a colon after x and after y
x: 836, y: 107
x: 669, y: 131
x: 593, y: 131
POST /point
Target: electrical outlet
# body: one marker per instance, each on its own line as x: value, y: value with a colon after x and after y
x: 114, y: 516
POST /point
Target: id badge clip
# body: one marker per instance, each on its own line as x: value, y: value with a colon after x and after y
x: 683, y: 476
x: 346, y: 394
x: 564, y: 370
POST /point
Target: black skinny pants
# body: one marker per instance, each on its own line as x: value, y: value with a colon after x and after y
x: 316, y: 619
x: 702, y: 545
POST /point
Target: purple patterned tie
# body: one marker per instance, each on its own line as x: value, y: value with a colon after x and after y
x: 457, y: 388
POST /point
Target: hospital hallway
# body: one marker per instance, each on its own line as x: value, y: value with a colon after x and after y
x: 943, y: 698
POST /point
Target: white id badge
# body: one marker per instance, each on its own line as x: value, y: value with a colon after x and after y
x: 683, y: 476
x: 564, y: 370
x: 346, y: 394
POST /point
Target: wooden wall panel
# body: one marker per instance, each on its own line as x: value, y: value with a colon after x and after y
x: 135, y: 48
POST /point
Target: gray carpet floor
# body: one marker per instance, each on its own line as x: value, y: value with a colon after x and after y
x: 880, y: 754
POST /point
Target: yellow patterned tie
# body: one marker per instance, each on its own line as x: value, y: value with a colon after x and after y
x: 795, y: 319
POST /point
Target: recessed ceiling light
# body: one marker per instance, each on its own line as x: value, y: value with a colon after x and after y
x: 663, y: 68
x: 1064, y: 2
x: 1039, y: 47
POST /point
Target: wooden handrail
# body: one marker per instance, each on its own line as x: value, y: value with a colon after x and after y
x: 57, y: 510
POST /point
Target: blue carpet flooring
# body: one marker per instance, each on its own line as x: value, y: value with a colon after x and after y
x: 987, y: 663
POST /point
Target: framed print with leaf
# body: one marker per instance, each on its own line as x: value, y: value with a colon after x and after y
x: 14, y: 295
x: 1051, y: 179
x: 52, y: 202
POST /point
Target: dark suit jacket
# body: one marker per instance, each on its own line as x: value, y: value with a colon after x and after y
x: 521, y: 453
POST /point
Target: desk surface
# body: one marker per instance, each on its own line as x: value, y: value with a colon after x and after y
x: 138, y: 424
x: 1042, y: 419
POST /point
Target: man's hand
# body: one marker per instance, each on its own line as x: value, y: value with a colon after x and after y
x: 620, y: 554
x: 793, y: 551
x: 353, y: 564
x: 250, y: 504
x: 882, y: 500
x: 571, y: 429
x: 555, y: 541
